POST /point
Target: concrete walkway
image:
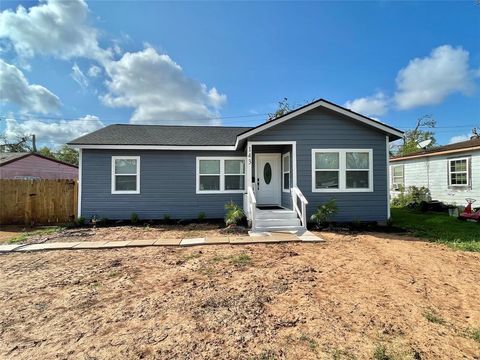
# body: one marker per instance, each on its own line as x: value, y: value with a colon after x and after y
x: 307, y: 236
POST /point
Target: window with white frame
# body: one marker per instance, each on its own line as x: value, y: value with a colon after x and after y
x: 342, y: 170
x: 459, y: 172
x: 125, y: 174
x: 398, y: 180
x: 220, y: 175
x: 286, y: 172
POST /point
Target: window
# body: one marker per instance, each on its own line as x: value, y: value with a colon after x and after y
x: 342, y: 170
x: 286, y: 172
x: 125, y: 174
x: 216, y: 175
x: 459, y: 172
x: 397, y: 177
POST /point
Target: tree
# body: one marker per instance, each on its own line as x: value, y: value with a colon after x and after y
x: 21, y: 144
x: 45, y: 151
x: 413, y: 137
x: 283, y: 108
x: 67, y: 154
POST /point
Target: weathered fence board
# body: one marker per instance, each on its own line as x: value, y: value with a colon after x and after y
x: 44, y: 201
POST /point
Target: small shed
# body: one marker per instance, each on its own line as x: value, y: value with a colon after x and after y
x: 30, y: 165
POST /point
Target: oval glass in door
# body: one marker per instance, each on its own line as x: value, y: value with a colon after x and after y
x: 267, y: 173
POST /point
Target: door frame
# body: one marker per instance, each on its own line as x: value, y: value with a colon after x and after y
x: 277, y: 177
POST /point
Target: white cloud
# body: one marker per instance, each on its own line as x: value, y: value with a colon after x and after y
x: 429, y: 80
x: 29, y: 97
x: 54, y: 27
x: 79, y: 76
x: 375, y: 105
x: 94, y: 71
x: 52, y: 133
x: 156, y: 87
x: 459, y: 138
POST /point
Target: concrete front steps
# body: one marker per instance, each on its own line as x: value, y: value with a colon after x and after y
x: 277, y: 220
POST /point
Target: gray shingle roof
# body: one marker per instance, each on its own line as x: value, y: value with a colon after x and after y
x: 11, y: 156
x: 121, y: 134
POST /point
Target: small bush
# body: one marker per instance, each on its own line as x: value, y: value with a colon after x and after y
x: 201, y: 216
x: 413, y: 196
x: 475, y: 334
x: 166, y: 217
x: 234, y: 214
x: 80, y: 221
x: 134, y: 218
x: 324, y: 212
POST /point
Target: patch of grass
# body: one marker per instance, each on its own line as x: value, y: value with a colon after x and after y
x: 339, y: 354
x: 216, y: 259
x: 40, y: 232
x: 241, y: 260
x: 433, y: 317
x: 192, y: 256
x: 380, y: 353
x: 474, y: 334
x: 113, y: 274
x: 462, y: 235
x: 312, y: 344
x: 394, y: 351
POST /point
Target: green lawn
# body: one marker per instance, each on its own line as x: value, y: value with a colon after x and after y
x: 439, y: 227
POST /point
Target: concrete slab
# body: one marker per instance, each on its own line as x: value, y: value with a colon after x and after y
x: 48, y: 246
x: 4, y: 248
x: 141, y: 243
x: 191, y: 242
x: 243, y: 240
x: 117, y: 244
x: 90, y: 245
x: 167, y: 242
x: 217, y: 240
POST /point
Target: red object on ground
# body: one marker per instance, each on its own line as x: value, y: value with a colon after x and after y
x: 468, y: 214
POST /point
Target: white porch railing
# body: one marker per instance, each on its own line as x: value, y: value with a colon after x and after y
x: 252, y: 205
x: 302, y: 213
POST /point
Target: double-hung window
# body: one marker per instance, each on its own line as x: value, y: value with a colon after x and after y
x: 286, y: 172
x: 458, y: 172
x: 125, y: 174
x: 342, y: 170
x: 398, y: 180
x: 220, y: 175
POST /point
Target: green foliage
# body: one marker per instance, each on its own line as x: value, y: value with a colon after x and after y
x: 45, y: 151
x: 461, y: 235
x: 432, y: 317
x: 474, y: 334
x: 234, y: 213
x: 134, y: 218
x: 241, y: 260
x: 201, y: 216
x: 40, y: 232
x: 283, y: 108
x: 67, y: 154
x: 324, y: 212
x: 412, y: 137
x: 166, y: 217
x: 80, y: 221
x: 380, y: 353
x: 412, y: 196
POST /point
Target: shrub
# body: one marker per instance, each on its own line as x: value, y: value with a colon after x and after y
x: 134, y: 218
x: 201, y: 216
x: 324, y: 212
x: 166, y: 217
x: 412, y: 196
x: 80, y: 221
x: 234, y: 214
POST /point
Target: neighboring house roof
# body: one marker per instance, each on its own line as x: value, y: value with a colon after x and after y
x: 472, y: 144
x: 9, y: 157
x: 121, y: 134
x: 184, y: 137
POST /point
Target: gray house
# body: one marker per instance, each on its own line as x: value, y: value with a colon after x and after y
x: 279, y: 171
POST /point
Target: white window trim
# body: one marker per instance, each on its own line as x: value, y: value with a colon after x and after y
x: 467, y: 172
x: 343, y: 170
x: 222, y: 175
x: 286, y: 172
x: 393, y: 176
x: 137, y: 191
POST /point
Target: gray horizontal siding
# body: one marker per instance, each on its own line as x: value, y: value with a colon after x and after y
x: 322, y: 128
x: 167, y: 186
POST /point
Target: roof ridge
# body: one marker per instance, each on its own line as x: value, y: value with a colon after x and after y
x: 203, y: 126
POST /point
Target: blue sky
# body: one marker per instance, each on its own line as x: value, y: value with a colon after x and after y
x: 108, y: 62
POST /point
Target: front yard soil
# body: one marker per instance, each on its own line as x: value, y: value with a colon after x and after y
x: 351, y: 297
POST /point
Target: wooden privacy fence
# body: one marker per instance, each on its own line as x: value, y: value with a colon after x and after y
x: 45, y: 201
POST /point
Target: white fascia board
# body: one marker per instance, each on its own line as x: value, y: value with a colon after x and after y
x: 154, y: 147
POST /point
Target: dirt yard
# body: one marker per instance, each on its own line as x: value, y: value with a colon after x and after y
x: 353, y: 297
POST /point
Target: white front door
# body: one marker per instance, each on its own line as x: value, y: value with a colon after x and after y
x: 268, y: 179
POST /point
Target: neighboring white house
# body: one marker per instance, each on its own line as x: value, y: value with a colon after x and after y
x: 450, y: 172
